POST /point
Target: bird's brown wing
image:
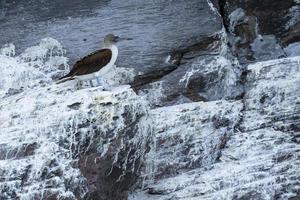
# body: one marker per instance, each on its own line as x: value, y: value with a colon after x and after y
x: 91, y: 63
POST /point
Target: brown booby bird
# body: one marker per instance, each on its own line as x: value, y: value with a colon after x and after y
x: 97, y: 63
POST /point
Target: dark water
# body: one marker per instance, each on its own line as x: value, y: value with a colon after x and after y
x: 157, y: 26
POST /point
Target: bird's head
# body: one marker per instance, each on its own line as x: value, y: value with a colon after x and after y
x: 113, y: 39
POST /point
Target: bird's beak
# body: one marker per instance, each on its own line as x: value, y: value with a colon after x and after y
x: 122, y: 39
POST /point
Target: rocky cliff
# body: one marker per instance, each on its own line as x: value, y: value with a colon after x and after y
x: 247, y: 149
x: 204, y: 101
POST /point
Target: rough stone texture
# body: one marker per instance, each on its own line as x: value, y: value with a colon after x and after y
x: 58, y: 142
x: 272, y: 98
x: 246, y: 20
x: 154, y: 25
x: 240, y: 140
x: 190, y: 136
x: 274, y: 17
x: 202, y: 79
x: 40, y: 146
x: 260, y: 160
x: 43, y: 136
x: 159, y: 28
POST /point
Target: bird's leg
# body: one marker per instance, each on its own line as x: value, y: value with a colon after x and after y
x: 102, y: 82
x: 98, y: 81
x: 91, y: 83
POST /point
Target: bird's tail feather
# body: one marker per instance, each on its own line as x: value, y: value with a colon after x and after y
x: 64, y: 79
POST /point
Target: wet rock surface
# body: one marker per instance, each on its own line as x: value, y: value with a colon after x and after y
x: 248, y: 150
x: 212, y: 113
x: 246, y: 20
x: 62, y: 142
x: 192, y: 135
x: 178, y: 32
x: 158, y: 29
x: 72, y: 154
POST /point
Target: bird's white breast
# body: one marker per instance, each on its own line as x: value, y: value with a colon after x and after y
x: 104, y: 69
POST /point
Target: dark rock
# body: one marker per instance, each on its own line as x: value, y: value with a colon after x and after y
x: 273, y: 16
x: 293, y: 35
x: 93, y: 151
x: 201, y: 79
x: 182, y: 137
x: 106, y: 176
x: 75, y: 106
x: 295, y: 198
x: 179, y: 29
x: 250, y: 196
x: 7, y: 152
x: 13, y: 91
x: 256, y: 154
x: 245, y: 20
x: 238, y: 141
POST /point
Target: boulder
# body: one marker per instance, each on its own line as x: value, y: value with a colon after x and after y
x: 246, y: 149
x: 61, y: 142
x: 246, y: 21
